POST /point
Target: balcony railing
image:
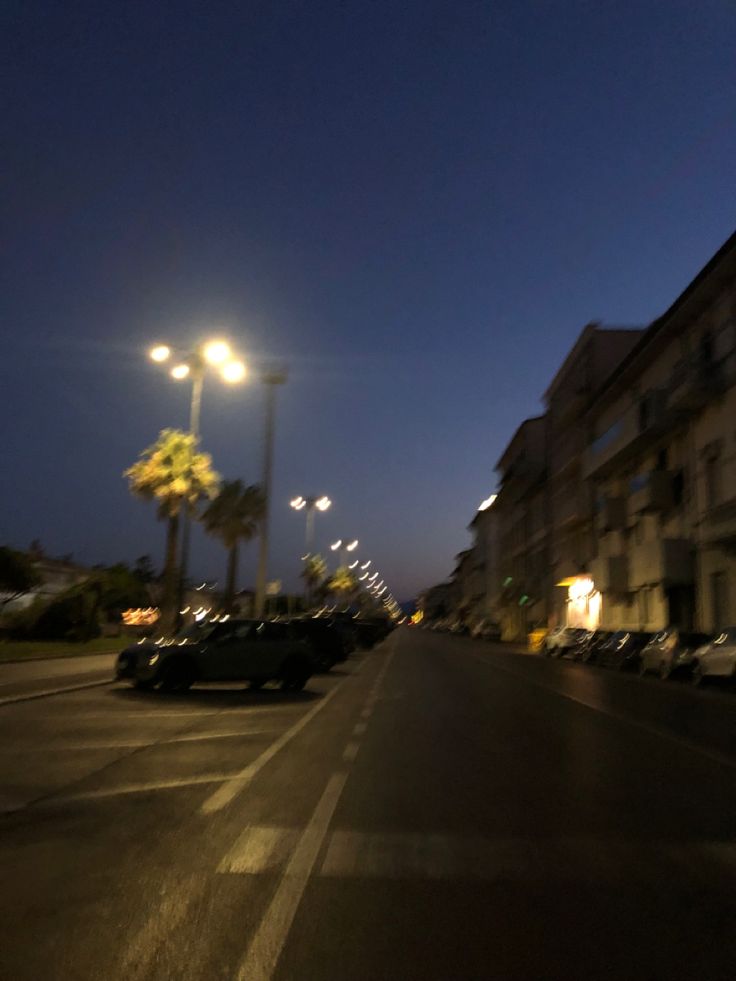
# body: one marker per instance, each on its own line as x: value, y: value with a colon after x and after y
x: 668, y: 561
x: 610, y: 573
x: 651, y: 491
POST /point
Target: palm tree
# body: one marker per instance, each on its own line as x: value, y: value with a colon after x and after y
x: 173, y: 474
x: 343, y: 583
x: 314, y: 574
x: 234, y: 516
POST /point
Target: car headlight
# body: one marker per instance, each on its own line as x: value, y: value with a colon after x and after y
x: 153, y: 658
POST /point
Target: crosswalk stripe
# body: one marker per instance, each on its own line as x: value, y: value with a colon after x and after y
x: 260, y: 849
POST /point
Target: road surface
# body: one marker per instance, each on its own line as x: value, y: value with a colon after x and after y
x: 435, y: 809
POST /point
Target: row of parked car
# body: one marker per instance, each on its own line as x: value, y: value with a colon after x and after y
x: 668, y: 652
x: 287, y: 651
x: 483, y: 629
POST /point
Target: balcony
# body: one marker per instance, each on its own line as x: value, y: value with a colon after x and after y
x: 651, y: 491
x: 694, y: 382
x: 632, y: 432
x: 719, y: 525
x: 571, y: 508
x: 610, y: 573
x: 668, y: 561
x: 611, y: 514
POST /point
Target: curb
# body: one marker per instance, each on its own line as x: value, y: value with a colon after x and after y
x: 47, y: 692
x: 53, y: 657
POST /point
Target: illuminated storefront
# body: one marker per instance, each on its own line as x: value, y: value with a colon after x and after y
x: 584, y: 602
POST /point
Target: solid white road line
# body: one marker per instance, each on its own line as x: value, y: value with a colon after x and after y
x: 350, y: 752
x: 259, y: 849
x: 261, y: 958
x: 225, y: 794
x: 138, y: 788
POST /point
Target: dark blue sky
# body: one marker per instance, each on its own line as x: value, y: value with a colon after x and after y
x: 418, y: 205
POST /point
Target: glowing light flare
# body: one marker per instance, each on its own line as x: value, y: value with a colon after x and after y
x: 233, y: 372
x: 336, y: 545
x: 180, y: 372
x: 323, y: 503
x: 298, y: 503
x: 352, y: 546
x: 353, y: 564
x: 160, y: 352
x: 216, y: 352
x: 484, y: 505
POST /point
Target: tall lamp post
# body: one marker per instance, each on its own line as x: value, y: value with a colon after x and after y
x: 345, y: 547
x: 193, y: 364
x: 310, y: 505
x: 272, y: 377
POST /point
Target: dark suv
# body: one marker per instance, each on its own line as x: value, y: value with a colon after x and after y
x: 234, y: 650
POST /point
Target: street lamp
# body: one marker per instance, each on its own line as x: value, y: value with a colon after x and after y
x: 193, y: 364
x: 344, y: 546
x: 310, y: 505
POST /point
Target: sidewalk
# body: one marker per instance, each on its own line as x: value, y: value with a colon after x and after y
x: 27, y: 679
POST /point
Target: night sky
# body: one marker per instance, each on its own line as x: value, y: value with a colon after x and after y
x: 417, y: 205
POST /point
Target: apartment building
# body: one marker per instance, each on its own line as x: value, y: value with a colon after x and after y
x: 569, y: 504
x: 661, y: 464
x: 520, y: 510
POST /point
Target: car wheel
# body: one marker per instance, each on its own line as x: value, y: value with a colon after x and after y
x: 296, y: 674
x: 665, y: 670
x: 697, y: 676
x: 176, y: 677
x: 143, y: 685
x: 255, y: 685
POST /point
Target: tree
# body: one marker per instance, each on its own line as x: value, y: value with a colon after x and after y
x: 314, y: 574
x: 17, y: 574
x: 234, y: 516
x: 173, y: 474
x: 144, y: 570
x: 343, y: 584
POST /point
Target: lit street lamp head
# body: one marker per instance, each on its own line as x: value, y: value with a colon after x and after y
x: 233, y: 372
x: 336, y: 545
x: 160, y: 352
x: 180, y: 371
x: 323, y: 503
x: 216, y: 352
x: 352, y: 546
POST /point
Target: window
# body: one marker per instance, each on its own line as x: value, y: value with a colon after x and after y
x: 678, y: 487
x: 719, y: 599
x: 712, y: 481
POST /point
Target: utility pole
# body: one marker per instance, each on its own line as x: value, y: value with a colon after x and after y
x: 271, y: 378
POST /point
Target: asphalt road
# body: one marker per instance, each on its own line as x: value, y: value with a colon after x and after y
x: 437, y: 808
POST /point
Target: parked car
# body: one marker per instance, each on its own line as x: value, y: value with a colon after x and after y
x: 561, y: 640
x: 671, y: 651
x: 370, y: 631
x: 590, y: 645
x: 716, y: 659
x: 486, y: 630
x: 623, y: 649
x: 329, y: 644
x: 237, y: 650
